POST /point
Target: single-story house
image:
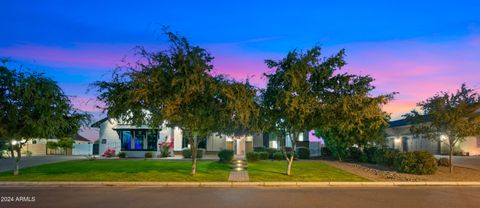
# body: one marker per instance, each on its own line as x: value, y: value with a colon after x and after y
x: 135, y: 141
x: 400, y: 137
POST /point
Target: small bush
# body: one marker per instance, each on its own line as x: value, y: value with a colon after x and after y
x: 200, y: 152
x: 417, y: 162
x: 186, y: 153
x: 225, y: 155
x: 259, y: 149
x: 278, y: 156
x: 263, y: 155
x: 148, y: 155
x: 386, y: 156
x: 253, y: 156
x: 122, y: 154
x: 354, y: 153
x: 326, y: 152
x: 271, y: 151
x: 303, y: 153
x: 109, y: 153
x: 443, y: 162
x: 369, y: 153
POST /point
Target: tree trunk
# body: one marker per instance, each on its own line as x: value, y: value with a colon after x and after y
x: 450, y: 159
x: 16, y: 169
x: 289, y: 166
x: 194, y: 155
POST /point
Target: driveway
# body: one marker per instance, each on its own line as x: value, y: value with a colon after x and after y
x: 242, y: 197
x: 7, y: 164
x: 472, y: 162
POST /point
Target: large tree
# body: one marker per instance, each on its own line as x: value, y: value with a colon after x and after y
x: 447, y: 117
x: 241, y: 114
x: 351, y: 115
x: 172, y: 87
x: 293, y: 96
x: 34, y: 106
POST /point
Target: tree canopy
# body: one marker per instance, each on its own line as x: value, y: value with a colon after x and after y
x: 453, y: 115
x: 34, y: 106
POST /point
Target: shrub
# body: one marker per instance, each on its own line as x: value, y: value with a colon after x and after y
x: 253, y: 156
x: 164, y: 150
x: 263, y: 155
x: 122, y: 155
x: 369, y: 153
x: 443, y: 162
x: 417, y: 162
x: 278, y: 156
x: 109, y: 153
x: 200, y: 152
x: 354, y: 153
x: 148, y: 155
x: 186, y: 153
x: 225, y: 155
x: 271, y: 151
x: 303, y: 153
x: 326, y: 152
x: 259, y: 149
x: 385, y: 156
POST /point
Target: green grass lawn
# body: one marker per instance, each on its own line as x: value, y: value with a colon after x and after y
x: 157, y: 170
x: 121, y: 170
x: 301, y: 171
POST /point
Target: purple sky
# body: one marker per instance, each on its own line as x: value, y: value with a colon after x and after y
x: 416, y: 49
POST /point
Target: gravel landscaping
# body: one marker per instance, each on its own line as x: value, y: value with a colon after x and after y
x: 380, y: 173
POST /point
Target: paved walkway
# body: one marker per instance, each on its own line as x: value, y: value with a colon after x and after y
x: 472, y: 162
x: 238, y: 176
x: 8, y: 163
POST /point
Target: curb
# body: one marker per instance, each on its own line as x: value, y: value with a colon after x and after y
x: 232, y: 184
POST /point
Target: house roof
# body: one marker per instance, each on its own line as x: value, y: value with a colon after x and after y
x: 78, y: 137
x: 397, y: 123
x: 97, y: 124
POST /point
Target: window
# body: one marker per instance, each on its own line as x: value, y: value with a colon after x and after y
x: 138, y: 139
x: 152, y: 140
x: 126, y: 139
x: 140, y: 136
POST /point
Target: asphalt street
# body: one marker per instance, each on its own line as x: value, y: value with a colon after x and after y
x: 89, y: 197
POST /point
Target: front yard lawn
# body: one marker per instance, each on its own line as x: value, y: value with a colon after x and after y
x: 301, y: 171
x: 121, y: 170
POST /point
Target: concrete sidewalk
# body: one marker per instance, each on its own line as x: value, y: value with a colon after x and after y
x: 232, y: 184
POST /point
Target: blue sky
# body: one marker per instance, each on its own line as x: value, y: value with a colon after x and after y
x: 414, y: 48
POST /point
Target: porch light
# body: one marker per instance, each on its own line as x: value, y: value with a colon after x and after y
x: 397, y: 140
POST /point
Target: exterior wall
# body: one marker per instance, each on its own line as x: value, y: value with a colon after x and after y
x: 258, y: 140
x: 109, y: 138
x: 177, y: 135
x: 216, y: 142
x: 82, y: 149
x: 471, y: 145
x: 35, y: 149
x: 400, y: 138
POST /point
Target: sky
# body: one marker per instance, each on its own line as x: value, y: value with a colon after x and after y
x: 413, y: 48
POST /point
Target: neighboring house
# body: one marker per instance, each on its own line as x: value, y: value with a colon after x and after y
x: 400, y: 137
x: 137, y: 140
x: 78, y: 139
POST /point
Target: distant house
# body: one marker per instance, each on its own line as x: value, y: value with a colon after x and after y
x: 78, y: 139
x: 400, y: 137
x: 137, y: 140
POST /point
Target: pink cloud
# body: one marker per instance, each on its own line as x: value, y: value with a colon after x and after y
x: 88, y: 104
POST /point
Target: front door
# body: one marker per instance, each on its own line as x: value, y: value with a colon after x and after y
x: 240, y: 146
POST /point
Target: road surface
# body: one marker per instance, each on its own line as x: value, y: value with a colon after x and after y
x: 241, y: 197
